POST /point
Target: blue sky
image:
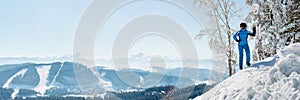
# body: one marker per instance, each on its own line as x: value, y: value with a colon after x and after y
x: 39, y: 27
x: 46, y: 28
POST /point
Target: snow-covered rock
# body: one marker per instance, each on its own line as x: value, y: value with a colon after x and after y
x: 279, y: 81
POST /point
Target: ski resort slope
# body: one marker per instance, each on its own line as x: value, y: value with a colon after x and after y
x: 276, y: 78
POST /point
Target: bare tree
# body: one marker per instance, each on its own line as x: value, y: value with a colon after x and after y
x: 223, y: 13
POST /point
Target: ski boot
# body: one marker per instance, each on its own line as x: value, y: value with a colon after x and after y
x: 248, y: 64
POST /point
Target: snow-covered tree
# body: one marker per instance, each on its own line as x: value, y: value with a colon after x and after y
x: 223, y: 13
x: 270, y: 17
x: 292, y: 21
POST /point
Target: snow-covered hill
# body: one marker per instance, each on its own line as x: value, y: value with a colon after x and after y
x: 59, y: 79
x: 276, y: 78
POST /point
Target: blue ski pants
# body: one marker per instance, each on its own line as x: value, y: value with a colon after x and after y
x: 243, y: 47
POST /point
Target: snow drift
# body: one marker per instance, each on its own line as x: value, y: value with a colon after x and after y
x: 276, y: 78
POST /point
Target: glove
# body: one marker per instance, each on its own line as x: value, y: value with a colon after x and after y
x: 238, y: 40
x: 254, y: 31
x: 254, y: 28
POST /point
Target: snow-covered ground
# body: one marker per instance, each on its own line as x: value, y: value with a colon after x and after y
x: 276, y: 78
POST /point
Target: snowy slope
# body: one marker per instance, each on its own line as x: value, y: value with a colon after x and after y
x: 43, y: 74
x: 20, y: 73
x: 16, y: 90
x: 277, y: 78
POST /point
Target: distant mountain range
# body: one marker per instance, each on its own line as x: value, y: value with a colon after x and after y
x: 59, y: 79
x: 139, y: 61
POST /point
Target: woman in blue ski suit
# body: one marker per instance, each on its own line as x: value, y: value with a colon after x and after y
x: 241, y: 37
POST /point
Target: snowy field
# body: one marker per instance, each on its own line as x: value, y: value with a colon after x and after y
x: 276, y: 78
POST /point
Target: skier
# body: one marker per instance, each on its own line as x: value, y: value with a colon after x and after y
x: 243, y: 43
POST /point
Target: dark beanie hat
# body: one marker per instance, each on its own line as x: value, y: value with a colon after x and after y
x: 243, y: 25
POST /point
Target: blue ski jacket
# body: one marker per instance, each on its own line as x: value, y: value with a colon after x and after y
x: 243, y: 36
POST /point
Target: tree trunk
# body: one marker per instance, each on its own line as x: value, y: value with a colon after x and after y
x: 229, y: 52
x: 230, y: 68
